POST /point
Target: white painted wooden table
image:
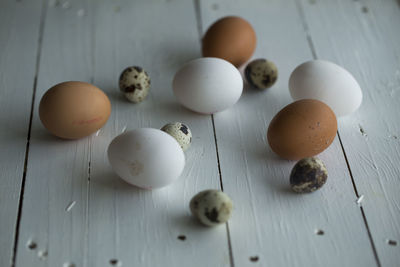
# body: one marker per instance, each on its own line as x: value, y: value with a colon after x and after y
x: 61, y: 205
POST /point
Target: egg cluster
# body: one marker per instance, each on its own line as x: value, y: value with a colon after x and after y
x: 153, y: 158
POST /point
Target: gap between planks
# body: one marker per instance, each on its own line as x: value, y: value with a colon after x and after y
x: 199, y: 28
x: 92, y: 139
x: 199, y: 22
x: 37, y: 68
x: 222, y: 188
x: 314, y: 55
x: 22, y: 190
x: 359, y: 199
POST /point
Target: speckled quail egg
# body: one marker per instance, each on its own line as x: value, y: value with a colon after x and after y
x: 180, y: 132
x: 308, y: 175
x: 261, y: 73
x: 134, y: 82
x: 211, y: 207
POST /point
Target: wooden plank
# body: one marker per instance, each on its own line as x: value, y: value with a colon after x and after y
x: 19, y: 30
x: 57, y: 169
x: 363, y: 37
x: 271, y: 225
x: 133, y: 226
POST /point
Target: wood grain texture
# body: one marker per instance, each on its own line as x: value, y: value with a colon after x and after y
x: 78, y: 213
x: 83, y: 214
x: 271, y: 222
x: 19, y: 30
x: 139, y: 227
x: 58, y: 169
x: 365, y: 40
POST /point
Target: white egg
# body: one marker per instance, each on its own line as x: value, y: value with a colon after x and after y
x: 147, y: 158
x: 208, y: 85
x: 327, y: 82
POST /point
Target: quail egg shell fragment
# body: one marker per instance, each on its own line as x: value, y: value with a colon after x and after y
x: 211, y: 207
x: 180, y: 132
x: 261, y: 73
x: 147, y: 158
x: 308, y: 175
x: 134, y: 82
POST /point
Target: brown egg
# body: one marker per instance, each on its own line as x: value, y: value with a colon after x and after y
x: 74, y: 110
x: 230, y: 38
x: 302, y: 129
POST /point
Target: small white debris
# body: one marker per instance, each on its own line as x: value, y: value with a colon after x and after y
x: 42, y: 254
x: 68, y: 264
x: 70, y: 206
x: 360, y: 200
x: 97, y: 133
x: 80, y: 12
x: 66, y: 5
x: 123, y: 129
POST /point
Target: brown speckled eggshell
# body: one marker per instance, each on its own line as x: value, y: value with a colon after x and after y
x: 230, y: 38
x: 302, y: 129
x: 73, y: 110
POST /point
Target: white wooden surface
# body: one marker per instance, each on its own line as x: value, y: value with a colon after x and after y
x: 78, y: 213
x: 259, y: 184
x: 57, y: 170
x: 369, y: 48
x: 19, y: 29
